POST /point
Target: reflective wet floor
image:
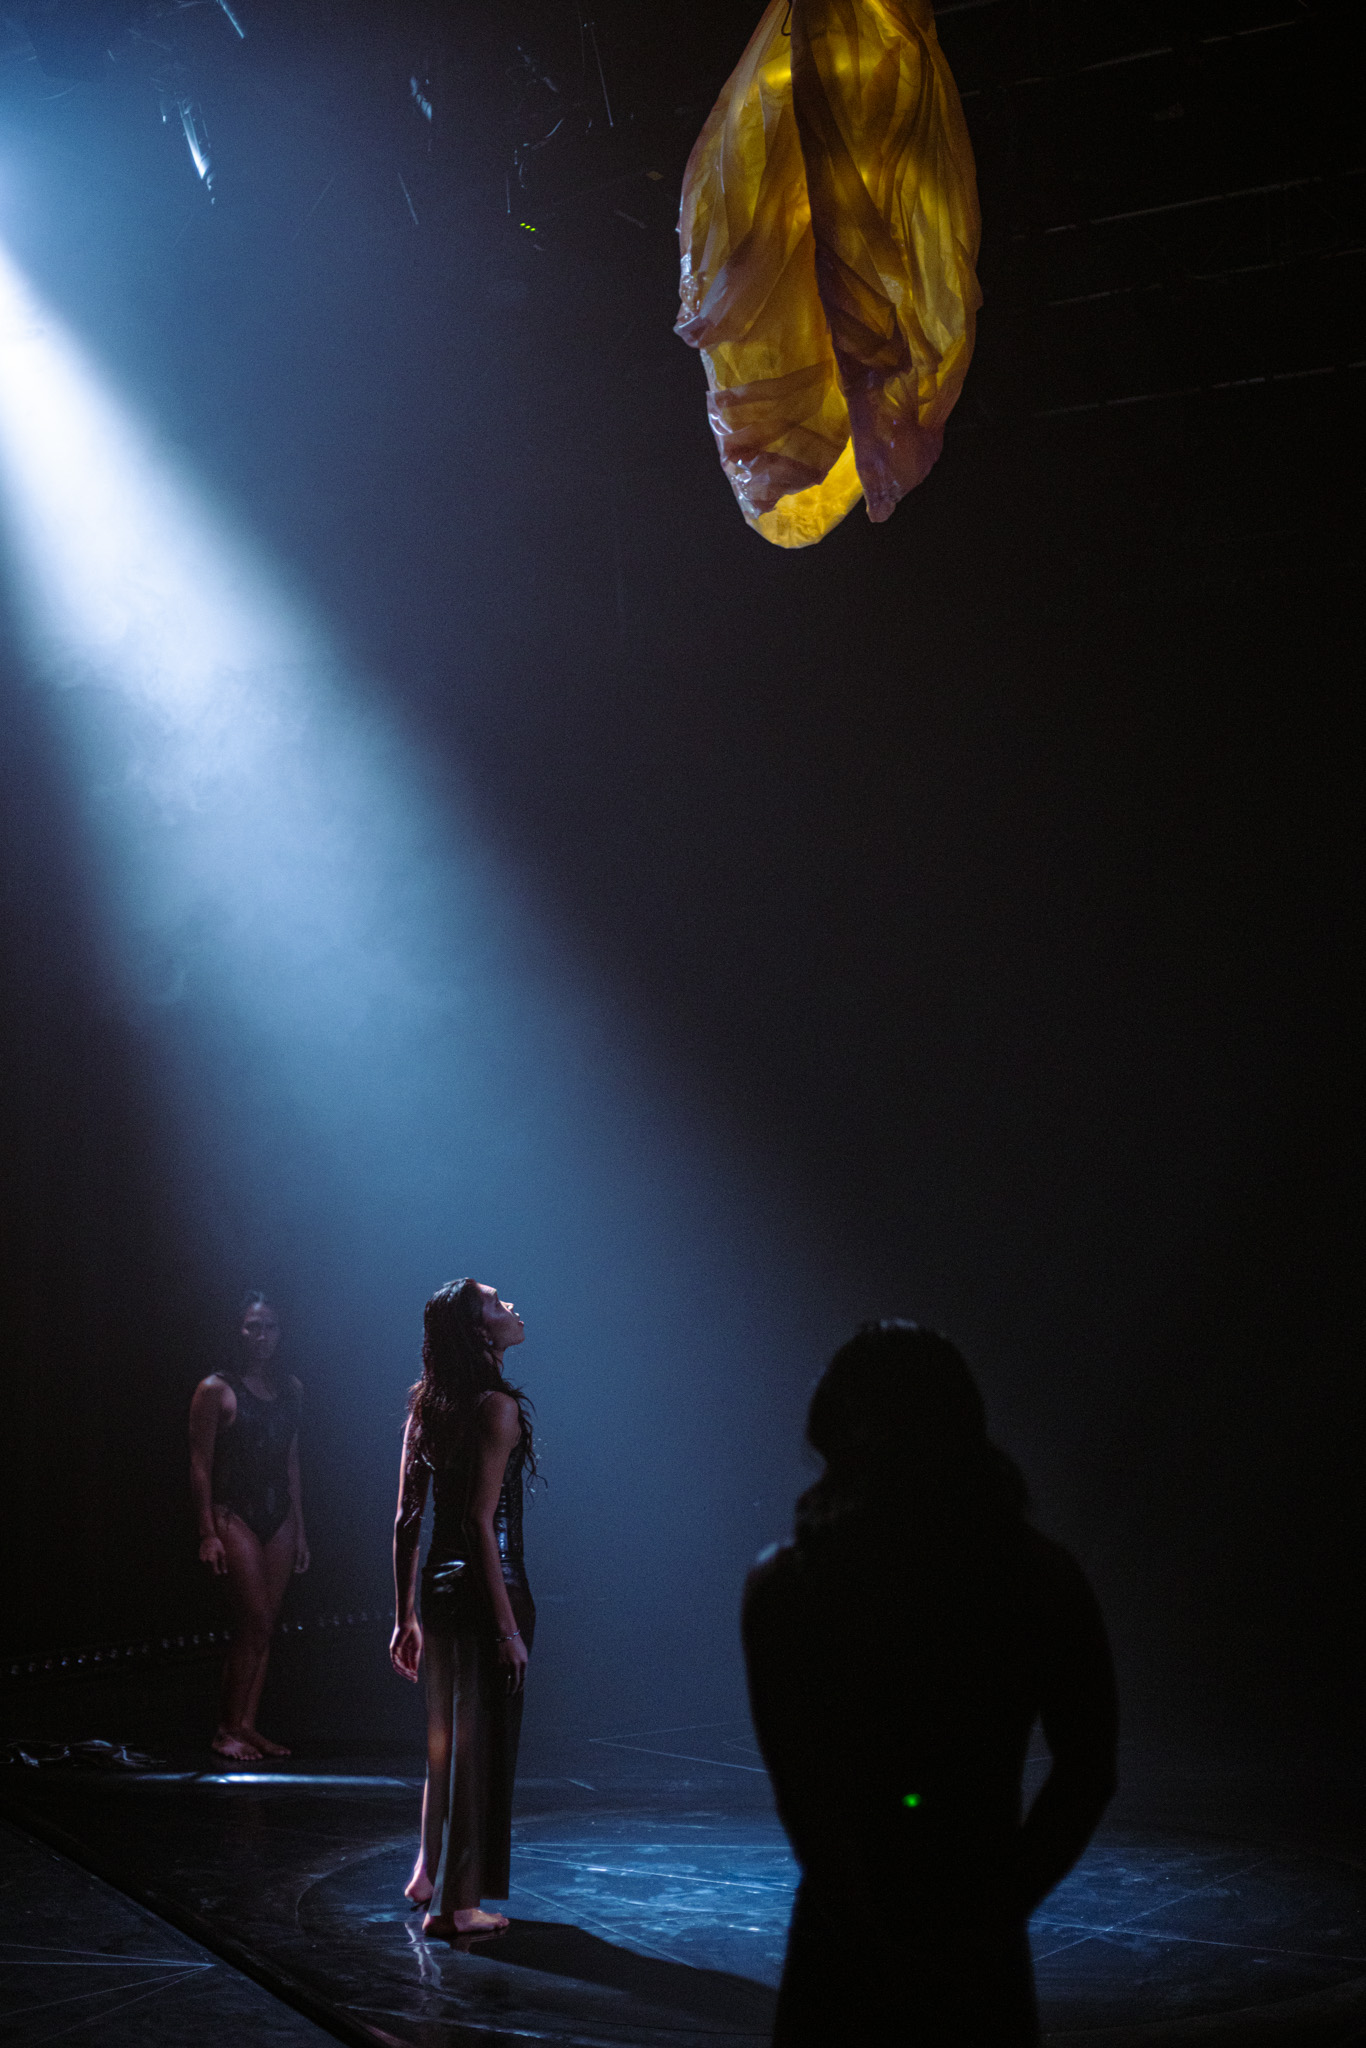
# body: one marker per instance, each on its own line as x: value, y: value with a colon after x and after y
x: 646, y: 1909
x: 81, y: 1962
x: 1150, y: 1927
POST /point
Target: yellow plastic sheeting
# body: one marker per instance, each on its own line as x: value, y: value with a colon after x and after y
x: 829, y: 231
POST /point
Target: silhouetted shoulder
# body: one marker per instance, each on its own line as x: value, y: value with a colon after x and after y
x: 1059, y: 1584
x: 773, y: 1592
x: 773, y: 1569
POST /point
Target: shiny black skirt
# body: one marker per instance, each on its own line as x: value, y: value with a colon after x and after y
x: 455, y: 1598
x: 487, y: 1720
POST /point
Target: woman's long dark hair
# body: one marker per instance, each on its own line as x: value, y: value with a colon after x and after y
x: 902, y: 1427
x: 458, y: 1365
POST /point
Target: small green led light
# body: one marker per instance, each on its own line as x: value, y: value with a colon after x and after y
x: 911, y: 1799
x: 527, y: 225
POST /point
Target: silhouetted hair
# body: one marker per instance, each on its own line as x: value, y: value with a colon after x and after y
x: 458, y: 1365
x: 253, y: 1298
x: 902, y: 1426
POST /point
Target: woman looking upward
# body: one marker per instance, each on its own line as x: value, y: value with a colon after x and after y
x: 244, y: 1475
x: 469, y: 1438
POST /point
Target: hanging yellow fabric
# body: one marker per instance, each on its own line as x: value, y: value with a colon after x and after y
x: 829, y: 231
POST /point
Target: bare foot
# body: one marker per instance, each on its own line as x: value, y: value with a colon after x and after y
x: 265, y: 1745
x: 238, y: 1744
x: 465, y: 1920
x: 419, y: 1887
x: 474, y: 1920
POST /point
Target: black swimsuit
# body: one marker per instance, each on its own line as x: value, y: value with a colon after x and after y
x: 251, y: 1458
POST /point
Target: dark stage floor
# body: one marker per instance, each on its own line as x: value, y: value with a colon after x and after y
x: 651, y: 1891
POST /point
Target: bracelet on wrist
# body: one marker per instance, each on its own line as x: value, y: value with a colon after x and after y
x: 508, y: 1639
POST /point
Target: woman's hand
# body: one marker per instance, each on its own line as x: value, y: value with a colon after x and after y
x: 405, y: 1648
x: 213, y: 1553
x: 302, y: 1556
x: 512, y: 1662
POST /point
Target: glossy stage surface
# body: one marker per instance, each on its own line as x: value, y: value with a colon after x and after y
x: 650, y: 1897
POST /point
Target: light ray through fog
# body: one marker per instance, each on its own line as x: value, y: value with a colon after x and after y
x: 372, y: 1061
x: 232, y: 779
x: 279, y: 881
x: 290, y: 904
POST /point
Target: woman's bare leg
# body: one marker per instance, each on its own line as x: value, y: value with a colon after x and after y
x: 437, y: 1655
x: 253, y: 1617
x: 277, y: 1568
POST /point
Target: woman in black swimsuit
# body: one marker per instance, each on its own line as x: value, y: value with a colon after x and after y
x: 244, y: 1474
x: 469, y: 1438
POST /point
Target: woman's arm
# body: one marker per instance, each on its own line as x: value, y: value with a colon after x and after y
x: 302, y: 1560
x: 497, y: 1424
x: 405, y: 1646
x: 207, y: 1410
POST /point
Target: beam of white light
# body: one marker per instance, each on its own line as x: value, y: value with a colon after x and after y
x: 247, y: 809
x: 314, y: 944
x: 280, y: 879
x: 358, y: 1031
x: 331, y: 976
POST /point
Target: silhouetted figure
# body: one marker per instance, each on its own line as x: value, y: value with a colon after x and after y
x: 900, y: 1650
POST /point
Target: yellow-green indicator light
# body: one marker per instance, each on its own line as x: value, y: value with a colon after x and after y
x: 911, y: 1799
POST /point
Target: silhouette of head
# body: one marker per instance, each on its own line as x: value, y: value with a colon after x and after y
x: 901, y: 1425
x: 895, y: 1395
